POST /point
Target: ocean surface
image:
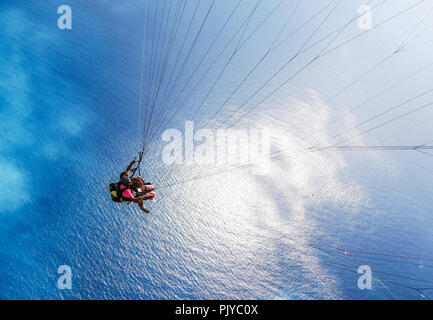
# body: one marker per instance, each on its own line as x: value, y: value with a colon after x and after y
x: 71, y: 121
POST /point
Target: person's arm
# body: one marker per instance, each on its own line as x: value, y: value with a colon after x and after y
x: 130, y: 167
x: 139, y: 201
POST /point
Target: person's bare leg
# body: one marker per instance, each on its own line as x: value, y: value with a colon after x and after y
x: 149, y: 196
x: 140, y: 204
x: 139, y: 201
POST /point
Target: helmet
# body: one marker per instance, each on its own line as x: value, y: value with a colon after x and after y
x: 126, y: 181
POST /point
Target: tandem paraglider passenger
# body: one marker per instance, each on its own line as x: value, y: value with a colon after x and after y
x: 132, y: 189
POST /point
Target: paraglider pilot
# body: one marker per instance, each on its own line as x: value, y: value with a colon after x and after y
x: 134, y: 189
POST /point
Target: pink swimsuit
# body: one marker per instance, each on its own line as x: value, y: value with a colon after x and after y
x: 127, y: 193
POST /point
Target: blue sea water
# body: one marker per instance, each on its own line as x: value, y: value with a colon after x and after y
x: 69, y: 126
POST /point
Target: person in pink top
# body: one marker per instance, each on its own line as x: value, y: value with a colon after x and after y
x: 134, y: 189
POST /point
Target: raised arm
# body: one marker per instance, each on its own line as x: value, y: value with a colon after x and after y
x: 130, y: 167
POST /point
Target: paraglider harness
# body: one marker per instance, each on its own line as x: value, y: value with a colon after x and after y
x: 116, y: 192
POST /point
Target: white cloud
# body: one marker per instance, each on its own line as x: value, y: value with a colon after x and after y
x: 14, y: 191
